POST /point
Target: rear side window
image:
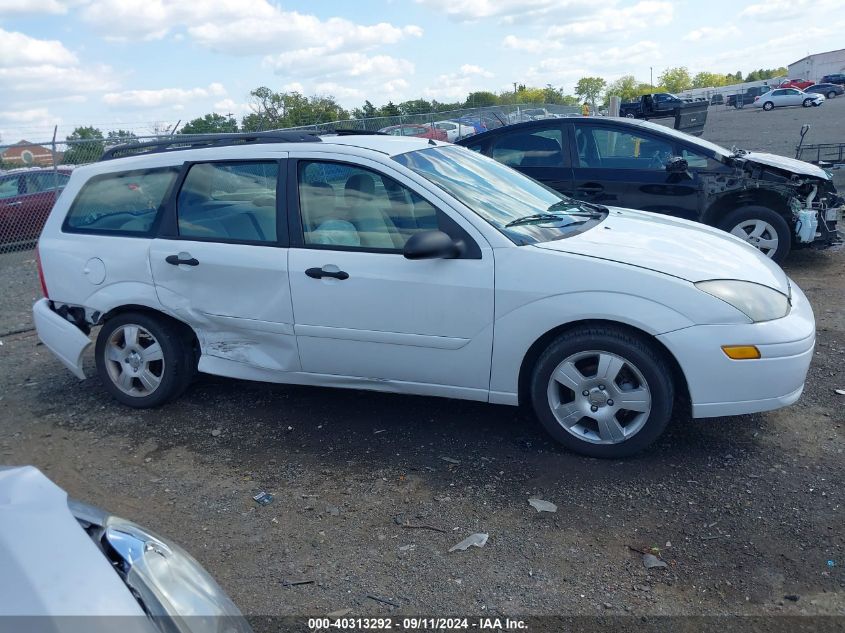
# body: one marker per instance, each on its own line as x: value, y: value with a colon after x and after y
x: 541, y: 148
x: 229, y: 202
x: 125, y: 202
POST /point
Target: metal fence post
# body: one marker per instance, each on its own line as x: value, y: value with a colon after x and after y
x: 55, y: 161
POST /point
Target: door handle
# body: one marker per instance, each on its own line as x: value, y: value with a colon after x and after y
x: 319, y: 273
x: 176, y: 260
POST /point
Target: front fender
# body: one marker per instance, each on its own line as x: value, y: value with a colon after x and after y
x: 516, y: 331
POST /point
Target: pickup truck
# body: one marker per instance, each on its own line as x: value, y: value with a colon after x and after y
x: 660, y: 104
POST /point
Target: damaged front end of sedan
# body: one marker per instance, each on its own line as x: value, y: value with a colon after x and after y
x: 803, y: 193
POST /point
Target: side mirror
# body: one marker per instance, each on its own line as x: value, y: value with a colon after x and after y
x: 677, y: 165
x: 430, y: 245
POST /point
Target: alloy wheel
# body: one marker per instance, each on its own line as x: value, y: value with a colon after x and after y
x: 134, y: 360
x: 599, y: 397
x: 760, y: 234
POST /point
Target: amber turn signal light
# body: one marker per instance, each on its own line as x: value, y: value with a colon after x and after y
x: 741, y: 352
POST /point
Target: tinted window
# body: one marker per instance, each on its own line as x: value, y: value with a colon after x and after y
x: 8, y: 187
x: 44, y: 181
x: 541, y: 148
x: 612, y: 149
x: 353, y: 207
x: 229, y: 202
x: 126, y: 201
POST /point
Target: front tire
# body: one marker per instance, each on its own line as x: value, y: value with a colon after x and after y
x: 763, y: 228
x: 602, y: 392
x: 144, y: 360
x: 807, y: 103
x: 831, y: 94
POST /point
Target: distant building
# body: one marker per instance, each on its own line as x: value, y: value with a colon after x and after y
x: 814, y: 67
x: 25, y: 154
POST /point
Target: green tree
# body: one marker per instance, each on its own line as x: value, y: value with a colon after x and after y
x: 710, y: 80
x: 766, y: 73
x: 212, y: 123
x: 627, y: 87
x: 481, y: 99
x: 590, y: 89
x: 415, y: 106
x: 675, y: 79
x: 273, y: 110
x: 389, y: 110
x: 115, y: 137
x: 367, y: 111
x: 86, y: 144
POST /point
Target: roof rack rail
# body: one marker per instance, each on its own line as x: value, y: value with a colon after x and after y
x: 179, y: 142
x: 351, y: 132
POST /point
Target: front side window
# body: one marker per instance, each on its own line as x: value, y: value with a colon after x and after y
x: 44, y: 181
x: 523, y: 209
x: 606, y: 148
x: 229, y: 202
x: 540, y: 148
x: 353, y: 207
x: 125, y: 202
x: 9, y: 187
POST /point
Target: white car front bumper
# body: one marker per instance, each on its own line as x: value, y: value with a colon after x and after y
x: 720, y: 386
x: 61, y: 337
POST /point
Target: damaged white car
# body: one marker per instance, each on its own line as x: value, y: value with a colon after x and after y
x: 411, y: 266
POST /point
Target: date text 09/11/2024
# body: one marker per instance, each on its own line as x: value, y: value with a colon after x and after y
x: 418, y: 624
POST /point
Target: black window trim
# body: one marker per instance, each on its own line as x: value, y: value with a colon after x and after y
x: 169, y: 229
x: 471, y: 249
x: 150, y: 233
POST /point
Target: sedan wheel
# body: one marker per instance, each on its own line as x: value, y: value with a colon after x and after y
x: 831, y: 94
x: 599, y: 397
x: 807, y: 103
x: 768, y: 105
x: 602, y: 391
x: 760, y: 234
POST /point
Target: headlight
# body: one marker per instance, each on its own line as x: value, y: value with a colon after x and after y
x: 757, y: 302
x: 173, y: 588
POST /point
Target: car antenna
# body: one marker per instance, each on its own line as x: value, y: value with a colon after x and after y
x: 431, y: 141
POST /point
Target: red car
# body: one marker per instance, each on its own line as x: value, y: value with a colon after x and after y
x: 797, y: 83
x: 26, y: 198
x: 416, y: 129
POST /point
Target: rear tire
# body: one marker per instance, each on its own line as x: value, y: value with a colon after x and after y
x: 763, y: 228
x: 602, y: 392
x: 144, y: 360
x: 768, y: 106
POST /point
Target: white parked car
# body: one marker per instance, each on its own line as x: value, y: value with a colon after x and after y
x: 61, y: 558
x: 454, y: 129
x: 409, y: 265
x: 780, y: 97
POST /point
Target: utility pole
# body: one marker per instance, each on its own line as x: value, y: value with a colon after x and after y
x: 651, y: 76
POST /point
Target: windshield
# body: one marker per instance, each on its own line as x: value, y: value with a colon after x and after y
x: 524, y: 210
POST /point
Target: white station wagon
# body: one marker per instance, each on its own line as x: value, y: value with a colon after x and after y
x: 412, y: 266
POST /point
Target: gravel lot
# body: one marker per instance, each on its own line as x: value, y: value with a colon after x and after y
x: 746, y: 510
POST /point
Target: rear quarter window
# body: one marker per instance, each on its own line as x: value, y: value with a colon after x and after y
x: 126, y: 202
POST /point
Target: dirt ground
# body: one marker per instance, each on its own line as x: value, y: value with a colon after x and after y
x: 748, y: 511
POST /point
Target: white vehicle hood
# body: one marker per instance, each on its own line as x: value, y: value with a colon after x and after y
x: 782, y: 162
x: 676, y: 247
x: 49, y: 566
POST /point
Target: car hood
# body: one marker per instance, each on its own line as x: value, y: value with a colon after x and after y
x: 50, y: 566
x: 782, y: 162
x: 672, y: 246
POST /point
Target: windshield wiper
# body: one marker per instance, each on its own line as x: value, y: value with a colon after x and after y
x: 540, y: 217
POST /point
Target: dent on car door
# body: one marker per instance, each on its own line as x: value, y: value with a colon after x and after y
x: 362, y: 309
x: 220, y: 264
x: 627, y: 168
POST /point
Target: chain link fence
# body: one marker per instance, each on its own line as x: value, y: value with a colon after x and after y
x: 32, y: 174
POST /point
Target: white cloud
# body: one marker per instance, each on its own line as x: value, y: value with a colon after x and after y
x: 606, y: 62
x: 316, y: 62
x: 25, y: 116
x: 782, y: 10
x: 18, y: 49
x: 534, y: 46
x: 643, y: 15
x: 49, y: 79
x: 712, y: 33
x: 456, y: 86
x: 21, y: 123
x: 32, y: 7
x: 508, y: 11
x: 164, y: 97
x: 226, y: 106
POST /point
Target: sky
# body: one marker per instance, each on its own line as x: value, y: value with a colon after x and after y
x: 136, y: 64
